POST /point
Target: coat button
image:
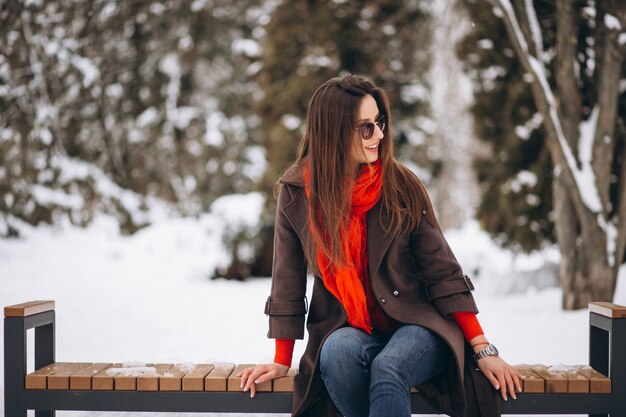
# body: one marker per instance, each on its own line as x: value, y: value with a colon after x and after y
x: 382, y: 300
x: 396, y: 293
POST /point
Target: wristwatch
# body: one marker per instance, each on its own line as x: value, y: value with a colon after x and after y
x: 490, y: 350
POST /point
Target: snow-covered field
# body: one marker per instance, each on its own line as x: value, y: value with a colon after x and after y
x: 148, y: 297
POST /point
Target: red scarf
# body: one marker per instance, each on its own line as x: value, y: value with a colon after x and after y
x: 343, y: 281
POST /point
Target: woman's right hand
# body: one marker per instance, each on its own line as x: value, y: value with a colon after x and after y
x: 259, y: 374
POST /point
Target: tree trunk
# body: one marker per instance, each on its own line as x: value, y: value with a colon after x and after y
x: 584, y: 273
x: 566, y: 225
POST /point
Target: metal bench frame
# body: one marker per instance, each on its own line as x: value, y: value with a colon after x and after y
x: 607, y: 354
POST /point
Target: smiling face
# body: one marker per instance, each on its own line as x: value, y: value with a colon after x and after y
x: 366, y: 150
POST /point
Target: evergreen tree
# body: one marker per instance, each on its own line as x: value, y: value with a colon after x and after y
x: 110, y: 105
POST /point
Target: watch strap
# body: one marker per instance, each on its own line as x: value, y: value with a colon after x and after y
x: 490, y: 350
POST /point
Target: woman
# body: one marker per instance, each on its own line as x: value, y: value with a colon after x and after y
x: 391, y: 306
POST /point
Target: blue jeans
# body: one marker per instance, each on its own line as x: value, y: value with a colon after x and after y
x: 371, y: 375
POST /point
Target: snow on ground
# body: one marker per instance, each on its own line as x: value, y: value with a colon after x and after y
x: 148, y: 297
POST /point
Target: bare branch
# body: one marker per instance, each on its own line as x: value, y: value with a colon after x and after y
x: 535, y: 29
x: 583, y: 179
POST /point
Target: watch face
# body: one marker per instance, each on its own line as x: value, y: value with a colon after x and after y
x: 493, y: 350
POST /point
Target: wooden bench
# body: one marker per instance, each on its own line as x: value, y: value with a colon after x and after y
x: 597, y: 390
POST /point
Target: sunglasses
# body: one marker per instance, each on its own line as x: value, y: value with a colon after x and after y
x: 368, y: 128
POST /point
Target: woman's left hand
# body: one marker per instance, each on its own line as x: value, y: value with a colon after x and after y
x: 501, y: 375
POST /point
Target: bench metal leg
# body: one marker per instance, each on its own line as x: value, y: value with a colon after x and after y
x: 15, y: 358
x: 607, y: 344
x: 598, y: 353
x: 12, y: 411
x: 618, y: 365
x: 14, y: 366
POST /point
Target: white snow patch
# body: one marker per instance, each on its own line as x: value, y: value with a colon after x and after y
x: 186, y: 367
x: 114, y: 90
x: 315, y: 60
x: 87, y: 68
x: 198, y: 5
x: 73, y: 169
x: 587, y: 134
x: 611, y: 238
x: 213, y: 135
x: 248, y: 47
x: 256, y: 162
x: 170, y: 65
x: 108, y: 10
x: 561, y: 368
x: 524, y: 131
x: 413, y: 93
x: 589, y: 11
x: 147, y: 117
x: 47, y: 196
x: 132, y: 371
x: 239, y: 210
x: 182, y: 116
x: 612, y: 22
x: 291, y: 121
x: 485, y: 43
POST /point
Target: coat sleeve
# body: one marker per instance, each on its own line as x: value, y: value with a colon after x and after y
x: 286, y: 306
x: 447, y: 287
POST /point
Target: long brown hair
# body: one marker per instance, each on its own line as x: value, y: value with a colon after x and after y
x: 331, y: 121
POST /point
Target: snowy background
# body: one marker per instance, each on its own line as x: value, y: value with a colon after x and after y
x: 148, y: 297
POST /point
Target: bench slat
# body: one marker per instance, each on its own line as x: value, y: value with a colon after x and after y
x: 576, y: 382
x: 194, y: 380
x: 126, y: 382
x: 81, y: 380
x: 172, y: 379
x: 598, y: 383
x: 103, y: 381
x: 151, y: 382
x: 29, y: 308
x: 554, y: 381
x: 285, y: 384
x: 39, y: 378
x: 234, y: 381
x: 61, y: 378
x: 216, y: 380
x: 532, y: 383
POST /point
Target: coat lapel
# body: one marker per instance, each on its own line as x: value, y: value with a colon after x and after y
x: 377, y: 240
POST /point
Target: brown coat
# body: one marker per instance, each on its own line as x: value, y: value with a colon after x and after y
x: 415, y: 277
